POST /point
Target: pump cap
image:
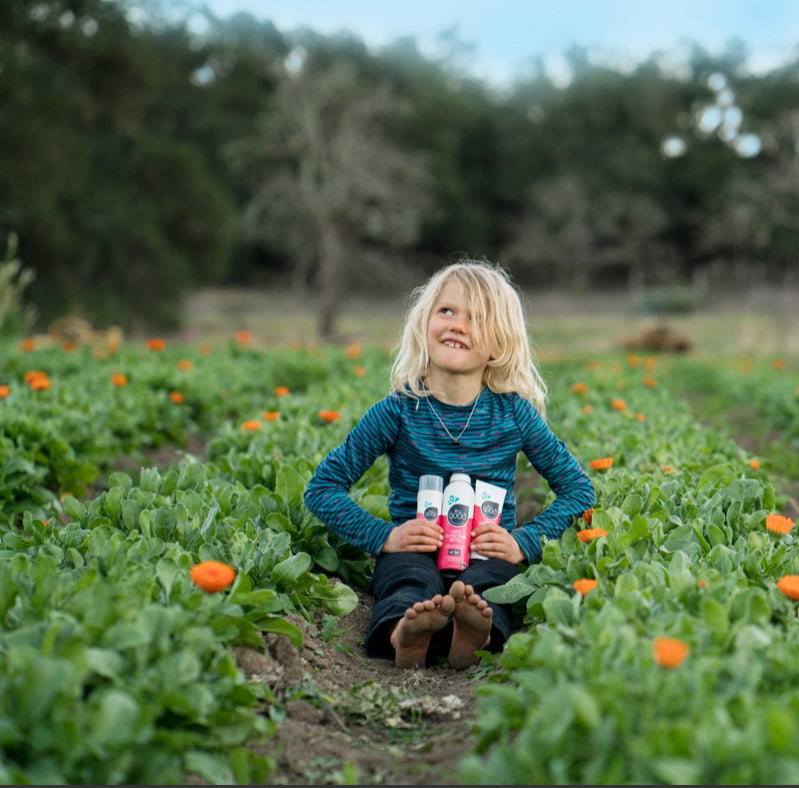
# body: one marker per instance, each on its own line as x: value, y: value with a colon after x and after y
x: 431, y: 482
x: 461, y: 477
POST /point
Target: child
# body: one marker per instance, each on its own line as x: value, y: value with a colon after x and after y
x: 465, y: 397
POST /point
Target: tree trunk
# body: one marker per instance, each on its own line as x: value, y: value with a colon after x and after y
x: 331, y: 280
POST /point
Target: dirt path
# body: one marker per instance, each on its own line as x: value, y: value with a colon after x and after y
x: 353, y: 720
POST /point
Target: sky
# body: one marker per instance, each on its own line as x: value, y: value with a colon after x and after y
x: 507, y: 35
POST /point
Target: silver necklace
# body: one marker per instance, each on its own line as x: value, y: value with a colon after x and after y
x: 455, y: 440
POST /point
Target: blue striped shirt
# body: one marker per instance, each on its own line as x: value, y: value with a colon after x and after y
x: 407, y: 431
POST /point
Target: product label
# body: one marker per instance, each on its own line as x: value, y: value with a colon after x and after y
x: 430, y: 513
x: 490, y: 510
x: 458, y: 515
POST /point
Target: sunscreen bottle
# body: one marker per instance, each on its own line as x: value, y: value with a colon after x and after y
x: 456, y: 520
x: 429, y: 498
x: 488, y: 500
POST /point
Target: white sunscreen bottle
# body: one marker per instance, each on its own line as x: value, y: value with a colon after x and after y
x: 430, y: 497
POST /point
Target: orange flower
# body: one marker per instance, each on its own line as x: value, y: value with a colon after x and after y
x: 778, y: 524
x: 701, y: 583
x: 789, y: 585
x: 156, y: 344
x: 578, y: 388
x: 588, y: 515
x: 778, y: 363
x: 281, y: 391
x: 618, y: 404
x: 119, y: 380
x: 4, y: 391
x: 243, y: 337
x: 251, y: 425
x: 185, y: 364
x: 754, y: 464
x: 601, y: 464
x: 69, y: 346
x: 204, y: 348
x: 589, y: 534
x: 360, y: 371
x: 212, y: 576
x: 329, y: 415
x: 666, y: 468
x: 32, y: 374
x: 28, y: 344
x: 649, y: 382
x: 353, y: 350
x: 669, y: 652
x: 40, y: 384
x: 586, y: 408
x: 270, y: 415
x: 176, y: 397
x: 584, y: 585
x: 633, y: 360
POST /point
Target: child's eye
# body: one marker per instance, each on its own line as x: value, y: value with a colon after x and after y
x: 445, y: 310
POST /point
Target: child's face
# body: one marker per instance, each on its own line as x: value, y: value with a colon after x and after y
x: 453, y: 339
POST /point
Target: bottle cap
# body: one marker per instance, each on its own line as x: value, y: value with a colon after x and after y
x: 461, y: 477
x: 431, y: 482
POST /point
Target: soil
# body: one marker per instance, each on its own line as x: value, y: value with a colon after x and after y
x: 362, y: 721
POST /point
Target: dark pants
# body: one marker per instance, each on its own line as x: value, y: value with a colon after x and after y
x: 401, y: 579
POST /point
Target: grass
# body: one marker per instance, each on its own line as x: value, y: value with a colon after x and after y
x: 760, y: 323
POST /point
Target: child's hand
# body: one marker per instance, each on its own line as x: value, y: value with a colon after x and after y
x: 493, y: 541
x: 414, y: 536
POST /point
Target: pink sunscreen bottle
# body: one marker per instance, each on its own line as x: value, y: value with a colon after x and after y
x: 488, y: 500
x: 456, y: 520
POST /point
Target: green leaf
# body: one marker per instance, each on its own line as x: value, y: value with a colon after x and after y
x: 214, y: 768
x: 288, y: 571
x: 166, y: 571
x: 280, y: 626
x: 558, y: 608
x: 289, y: 485
x: 115, y: 722
x: 74, y: 508
x: 715, y: 617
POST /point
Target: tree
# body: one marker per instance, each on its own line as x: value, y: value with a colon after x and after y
x: 329, y: 179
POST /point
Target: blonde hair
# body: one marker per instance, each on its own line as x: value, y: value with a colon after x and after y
x: 498, y: 314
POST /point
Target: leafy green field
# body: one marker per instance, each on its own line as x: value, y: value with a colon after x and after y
x: 117, y: 668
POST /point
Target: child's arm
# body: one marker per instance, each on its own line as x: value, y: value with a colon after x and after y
x: 557, y: 465
x: 328, y: 492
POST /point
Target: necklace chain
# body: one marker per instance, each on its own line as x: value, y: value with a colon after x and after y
x: 455, y: 440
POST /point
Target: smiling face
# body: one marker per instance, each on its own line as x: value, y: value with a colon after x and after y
x: 453, y: 337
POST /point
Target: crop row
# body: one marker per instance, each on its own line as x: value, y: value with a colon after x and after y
x: 118, y: 668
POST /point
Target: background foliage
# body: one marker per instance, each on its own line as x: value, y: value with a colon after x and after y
x: 143, y: 159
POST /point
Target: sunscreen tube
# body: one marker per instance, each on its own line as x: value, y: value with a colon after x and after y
x: 456, y: 520
x: 488, y: 500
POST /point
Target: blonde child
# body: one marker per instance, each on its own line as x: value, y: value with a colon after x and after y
x: 466, y: 396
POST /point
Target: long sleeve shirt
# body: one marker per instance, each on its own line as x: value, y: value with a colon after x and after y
x: 408, y: 431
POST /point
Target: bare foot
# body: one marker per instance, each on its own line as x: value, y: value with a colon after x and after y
x: 411, y: 636
x: 472, y: 628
